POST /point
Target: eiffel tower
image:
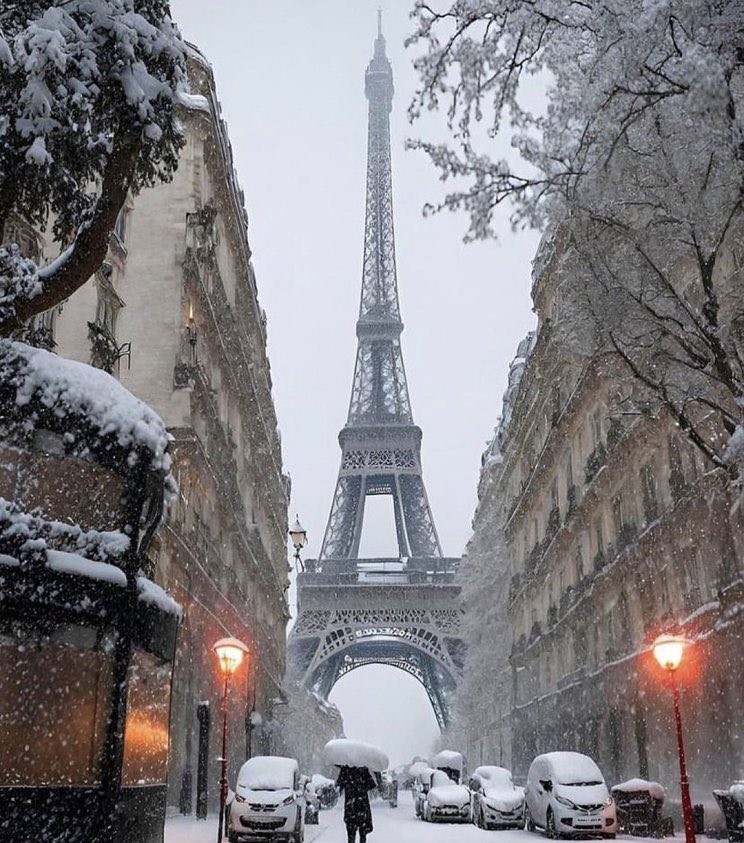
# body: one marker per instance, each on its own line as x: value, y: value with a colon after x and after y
x: 405, y: 611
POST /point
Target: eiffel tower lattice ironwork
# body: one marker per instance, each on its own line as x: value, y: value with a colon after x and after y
x: 402, y: 612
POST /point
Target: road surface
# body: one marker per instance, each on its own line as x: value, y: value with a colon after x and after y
x: 392, y: 825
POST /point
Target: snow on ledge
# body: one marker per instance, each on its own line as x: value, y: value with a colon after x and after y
x: 154, y: 595
x: 67, y: 386
x: 73, y: 563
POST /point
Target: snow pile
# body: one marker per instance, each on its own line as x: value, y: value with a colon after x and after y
x: 44, y: 381
x: 151, y: 593
x: 268, y: 772
x: 343, y: 752
x: 737, y: 791
x: 448, y: 758
x: 28, y: 536
x: 319, y: 781
x: 654, y: 789
x: 72, y: 563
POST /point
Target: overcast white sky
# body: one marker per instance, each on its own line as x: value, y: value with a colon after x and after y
x: 290, y: 76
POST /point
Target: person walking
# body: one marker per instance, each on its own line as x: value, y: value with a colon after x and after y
x: 355, y: 783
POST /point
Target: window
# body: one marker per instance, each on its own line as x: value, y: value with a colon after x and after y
x: 650, y: 499
x: 579, y: 562
x: 597, y: 427
x: 55, y: 698
x: 618, y: 515
x: 148, y: 714
x: 120, y: 226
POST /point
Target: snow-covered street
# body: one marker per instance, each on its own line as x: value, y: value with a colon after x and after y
x: 392, y: 825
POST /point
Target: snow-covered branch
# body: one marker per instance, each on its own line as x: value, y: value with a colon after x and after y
x: 88, y: 91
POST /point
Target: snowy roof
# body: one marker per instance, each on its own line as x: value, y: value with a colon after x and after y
x: 641, y: 786
x: 73, y: 563
x: 343, y: 752
x: 493, y: 453
x: 92, y: 410
x: 268, y: 772
x: 151, y: 593
x: 448, y: 758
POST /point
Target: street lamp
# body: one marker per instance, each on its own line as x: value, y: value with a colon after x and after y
x: 668, y: 651
x: 298, y: 536
x: 230, y: 653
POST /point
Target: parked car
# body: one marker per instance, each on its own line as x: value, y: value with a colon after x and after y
x: 496, y: 801
x: 312, y: 802
x: 446, y: 801
x: 566, y: 795
x: 421, y: 785
x: 450, y: 762
x: 269, y: 802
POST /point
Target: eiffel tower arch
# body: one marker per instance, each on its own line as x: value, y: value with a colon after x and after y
x: 403, y: 612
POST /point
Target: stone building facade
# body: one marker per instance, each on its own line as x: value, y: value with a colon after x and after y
x: 175, y: 315
x: 617, y: 529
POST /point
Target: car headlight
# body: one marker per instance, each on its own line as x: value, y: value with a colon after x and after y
x: 567, y: 802
x: 239, y: 798
x: 464, y: 810
x: 289, y: 800
x: 608, y: 801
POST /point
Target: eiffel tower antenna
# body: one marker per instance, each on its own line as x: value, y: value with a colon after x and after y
x: 380, y: 444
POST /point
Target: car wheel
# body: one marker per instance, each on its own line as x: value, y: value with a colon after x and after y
x: 481, y: 819
x: 529, y: 825
x: 550, y: 831
x: 611, y: 836
x: 232, y: 836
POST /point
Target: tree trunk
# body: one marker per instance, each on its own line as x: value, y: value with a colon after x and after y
x: 91, y: 244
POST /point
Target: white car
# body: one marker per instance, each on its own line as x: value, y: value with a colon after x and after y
x: 421, y: 785
x: 446, y: 801
x: 566, y: 795
x: 497, y: 801
x: 268, y: 803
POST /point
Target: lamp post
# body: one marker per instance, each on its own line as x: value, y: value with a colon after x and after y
x: 230, y: 653
x: 668, y: 651
x: 298, y: 536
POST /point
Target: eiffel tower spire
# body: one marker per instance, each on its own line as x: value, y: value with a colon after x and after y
x: 381, y: 446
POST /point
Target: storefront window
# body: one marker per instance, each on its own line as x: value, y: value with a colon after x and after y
x: 148, y: 714
x: 55, y: 696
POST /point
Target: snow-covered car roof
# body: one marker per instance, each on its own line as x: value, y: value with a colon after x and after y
x: 572, y: 767
x: 268, y: 772
x: 344, y: 752
x: 448, y: 758
x: 494, y: 775
x: 417, y: 768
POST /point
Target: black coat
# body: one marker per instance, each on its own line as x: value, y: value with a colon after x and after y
x: 355, y: 782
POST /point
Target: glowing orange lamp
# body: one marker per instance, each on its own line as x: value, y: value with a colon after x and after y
x: 230, y: 654
x: 668, y: 651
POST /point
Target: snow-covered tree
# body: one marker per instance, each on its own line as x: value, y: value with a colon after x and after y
x: 634, y: 164
x: 87, y: 114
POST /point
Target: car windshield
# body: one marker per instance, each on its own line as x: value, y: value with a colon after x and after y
x: 579, y: 784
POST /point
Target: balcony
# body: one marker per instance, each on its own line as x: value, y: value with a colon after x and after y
x: 597, y: 459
